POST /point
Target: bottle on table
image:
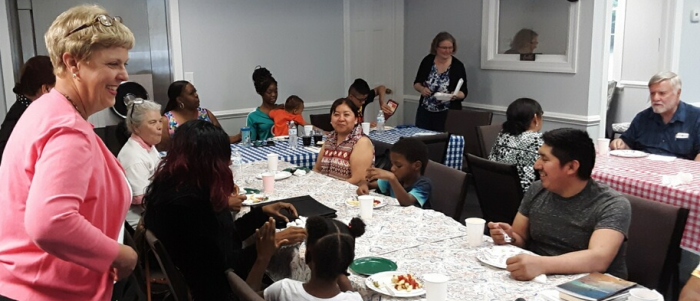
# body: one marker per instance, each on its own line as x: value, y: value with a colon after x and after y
x: 245, y: 136
x: 236, y: 163
x: 292, y: 135
x: 380, y: 122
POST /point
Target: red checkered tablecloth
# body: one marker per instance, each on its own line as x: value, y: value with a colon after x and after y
x: 642, y: 177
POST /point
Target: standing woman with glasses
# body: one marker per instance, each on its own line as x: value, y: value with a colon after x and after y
x: 439, y: 72
x: 64, y: 195
x: 36, y: 80
x: 139, y: 156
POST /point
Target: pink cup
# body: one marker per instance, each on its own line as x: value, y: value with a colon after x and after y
x: 268, y: 179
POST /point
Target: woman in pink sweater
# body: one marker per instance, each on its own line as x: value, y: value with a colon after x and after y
x: 63, y: 194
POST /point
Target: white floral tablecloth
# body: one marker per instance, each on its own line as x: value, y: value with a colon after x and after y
x: 419, y: 241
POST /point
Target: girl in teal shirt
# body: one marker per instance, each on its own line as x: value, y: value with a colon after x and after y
x: 259, y: 121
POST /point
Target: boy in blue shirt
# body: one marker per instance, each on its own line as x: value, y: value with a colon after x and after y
x: 405, y: 181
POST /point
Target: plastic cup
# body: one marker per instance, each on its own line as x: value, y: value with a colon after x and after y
x: 642, y: 294
x: 272, y: 162
x: 365, y: 128
x: 366, y: 206
x: 308, y: 129
x: 268, y: 179
x: 318, y: 138
x: 603, y: 146
x: 435, y: 287
x: 306, y: 140
x: 475, y: 231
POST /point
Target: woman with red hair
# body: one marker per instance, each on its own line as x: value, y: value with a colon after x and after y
x: 188, y: 207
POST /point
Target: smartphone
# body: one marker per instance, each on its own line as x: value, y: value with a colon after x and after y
x: 393, y: 105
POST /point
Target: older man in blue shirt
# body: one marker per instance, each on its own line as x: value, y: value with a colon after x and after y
x: 669, y: 127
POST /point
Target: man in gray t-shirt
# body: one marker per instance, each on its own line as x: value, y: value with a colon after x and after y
x: 575, y: 223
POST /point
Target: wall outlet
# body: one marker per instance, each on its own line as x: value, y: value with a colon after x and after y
x: 189, y: 76
x: 695, y: 16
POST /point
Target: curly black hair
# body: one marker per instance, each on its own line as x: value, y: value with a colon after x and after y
x: 330, y: 245
x: 262, y: 79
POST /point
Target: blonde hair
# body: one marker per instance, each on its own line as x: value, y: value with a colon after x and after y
x: 83, y: 42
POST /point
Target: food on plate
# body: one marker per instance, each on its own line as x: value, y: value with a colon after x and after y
x: 376, y: 284
x: 356, y: 202
x: 257, y: 198
x: 405, y: 282
x: 299, y: 222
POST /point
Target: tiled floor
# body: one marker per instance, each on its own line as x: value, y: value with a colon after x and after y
x: 689, y: 260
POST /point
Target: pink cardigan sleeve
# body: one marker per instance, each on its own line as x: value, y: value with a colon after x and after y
x: 52, y: 218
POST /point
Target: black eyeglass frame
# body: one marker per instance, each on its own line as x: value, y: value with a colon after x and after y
x: 105, y: 20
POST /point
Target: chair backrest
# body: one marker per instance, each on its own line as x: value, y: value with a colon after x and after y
x: 464, y: 123
x: 653, y: 244
x: 176, y: 280
x: 134, y: 287
x: 437, y: 145
x: 487, y: 137
x: 113, y: 136
x: 240, y: 288
x: 498, y: 188
x: 322, y: 121
x: 448, y: 189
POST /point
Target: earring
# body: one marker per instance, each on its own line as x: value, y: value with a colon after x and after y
x: 182, y: 105
x: 75, y: 75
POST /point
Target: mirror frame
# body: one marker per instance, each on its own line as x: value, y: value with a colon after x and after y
x: 491, y: 59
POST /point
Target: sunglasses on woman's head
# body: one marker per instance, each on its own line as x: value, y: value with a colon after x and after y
x: 134, y: 102
x: 105, y: 20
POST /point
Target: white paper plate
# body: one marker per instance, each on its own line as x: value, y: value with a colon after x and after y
x: 280, y: 175
x: 352, y: 202
x: 442, y: 96
x: 628, y: 153
x: 384, y: 279
x: 423, y: 134
x: 280, y: 138
x: 496, y: 256
x: 252, y: 199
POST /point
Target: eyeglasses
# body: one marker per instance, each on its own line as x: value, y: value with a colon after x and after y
x: 446, y: 47
x: 105, y: 20
x: 134, y: 101
x: 361, y: 99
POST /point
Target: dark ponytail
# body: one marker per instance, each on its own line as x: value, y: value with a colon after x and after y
x: 519, y: 115
x: 36, y: 72
x: 332, y: 255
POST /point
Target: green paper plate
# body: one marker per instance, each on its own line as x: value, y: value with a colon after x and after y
x: 372, y: 265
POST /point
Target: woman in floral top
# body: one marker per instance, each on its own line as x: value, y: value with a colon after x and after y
x: 520, y: 139
x: 439, y: 72
x: 347, y: 153
x: 183, y: 106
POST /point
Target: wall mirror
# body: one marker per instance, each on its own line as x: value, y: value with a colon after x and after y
x: 547, y: 28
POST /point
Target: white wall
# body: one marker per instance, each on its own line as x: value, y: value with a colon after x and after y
x: 689, y: 59
x: 563, y: 96
x: 300, y: 42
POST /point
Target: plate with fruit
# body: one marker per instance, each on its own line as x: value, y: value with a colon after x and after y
x: 396, y: 284
x: 254, y: 199
x: 379, y: 202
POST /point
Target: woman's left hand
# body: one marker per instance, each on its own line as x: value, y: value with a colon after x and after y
x: 459, y: 95
x: 274, y: 210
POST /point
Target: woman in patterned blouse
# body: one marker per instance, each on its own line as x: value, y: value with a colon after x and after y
x: 183, y: 106
x: 520, y: 139
x: 347, y: 153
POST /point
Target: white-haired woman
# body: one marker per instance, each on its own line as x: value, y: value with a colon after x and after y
x: 139, y: 156
x: 64, y: 196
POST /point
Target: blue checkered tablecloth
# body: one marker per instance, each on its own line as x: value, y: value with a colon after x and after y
x: 455, y: 148
x: 299, y: 156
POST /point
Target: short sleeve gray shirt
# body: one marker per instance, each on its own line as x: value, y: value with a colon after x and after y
x: 561, y: 225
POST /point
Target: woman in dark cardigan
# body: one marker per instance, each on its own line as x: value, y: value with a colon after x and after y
x: 188, y: 207
x: 439, y: 72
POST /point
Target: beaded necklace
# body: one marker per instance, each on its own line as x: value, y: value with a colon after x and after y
x: 76, y: 107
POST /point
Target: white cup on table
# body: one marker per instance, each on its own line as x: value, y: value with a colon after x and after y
x: 272, y: 160
x: 435, y: 287
x: 365, y: 128
x: 603, y: 146
x: 642, y: 294
x: 366, y: 207
x: 475, y: 231
x: 268, y: 179
x: 307, y: 130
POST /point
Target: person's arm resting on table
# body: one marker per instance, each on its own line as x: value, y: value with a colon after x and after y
x: 691, y: 290
x: 360, y: 160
